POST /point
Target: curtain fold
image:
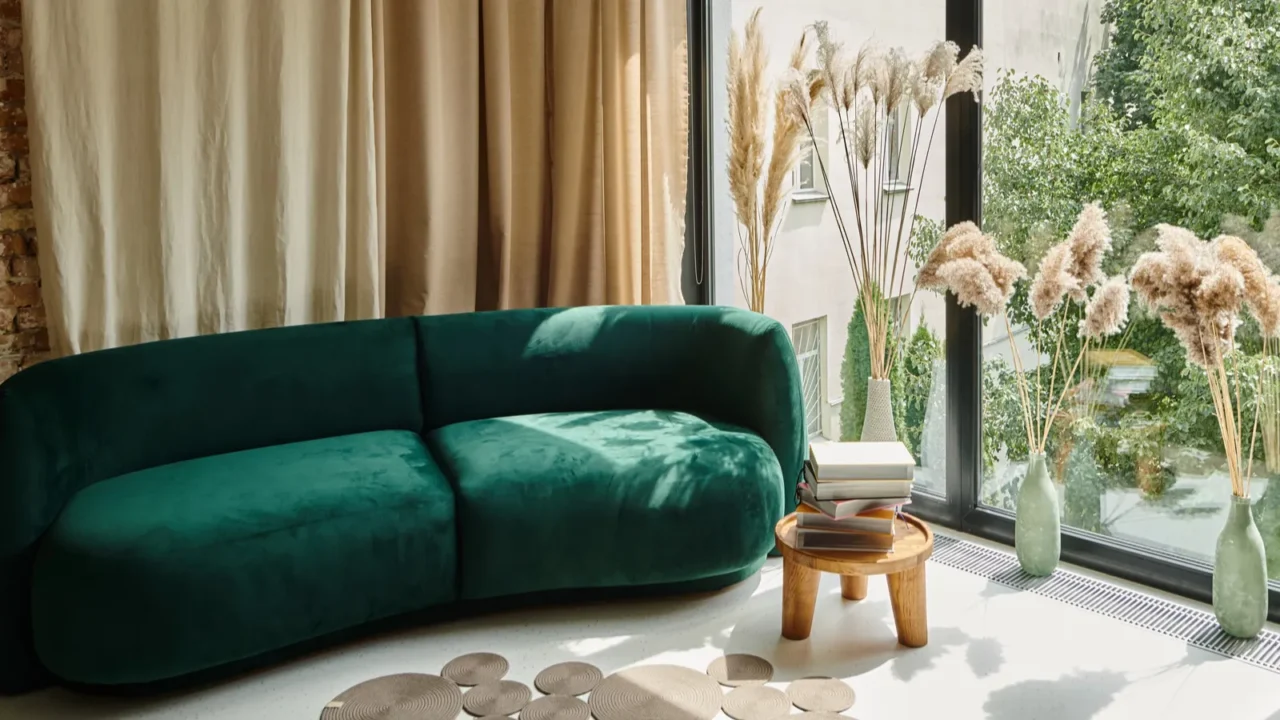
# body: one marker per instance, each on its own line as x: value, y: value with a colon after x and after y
x: 215, y: 165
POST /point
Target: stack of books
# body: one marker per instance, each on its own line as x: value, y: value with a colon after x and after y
x: 851, y: 494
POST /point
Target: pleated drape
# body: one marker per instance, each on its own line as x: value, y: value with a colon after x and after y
x: 213, y: 165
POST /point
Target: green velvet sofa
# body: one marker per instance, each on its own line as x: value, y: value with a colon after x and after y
x: 180, y: 506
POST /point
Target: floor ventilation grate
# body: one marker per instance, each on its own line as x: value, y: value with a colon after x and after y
x: 1197, y: 627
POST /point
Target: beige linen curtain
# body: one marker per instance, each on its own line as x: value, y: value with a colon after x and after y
x: 212, y: 165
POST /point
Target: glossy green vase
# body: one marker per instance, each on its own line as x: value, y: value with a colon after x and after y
x: 1037, y: 534
x: 1240, y: 574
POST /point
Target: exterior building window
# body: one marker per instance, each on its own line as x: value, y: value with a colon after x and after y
x: 808, y: 184
x: 898, y: 123
x: 809, y: 339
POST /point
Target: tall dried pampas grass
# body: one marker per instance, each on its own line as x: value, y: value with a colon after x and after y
x: 758, y: 205
x: 967, y: 263
x: 1199, y: 290
x: 864, y: 92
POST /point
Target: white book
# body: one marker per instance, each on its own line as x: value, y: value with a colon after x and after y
x: 841, y: 509
x: 861, y: 461
x: 861, y: 489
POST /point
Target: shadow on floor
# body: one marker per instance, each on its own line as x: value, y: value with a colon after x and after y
x: 1079, y: 696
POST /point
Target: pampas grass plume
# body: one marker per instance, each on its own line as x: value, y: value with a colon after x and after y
x: 1090, y: 240
x: 1108, y: 310
x: 1053, y: 281
x: 967, y: 75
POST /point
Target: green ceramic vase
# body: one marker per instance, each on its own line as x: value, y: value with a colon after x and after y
x: 1240, y: 573
x: 1037, y: 533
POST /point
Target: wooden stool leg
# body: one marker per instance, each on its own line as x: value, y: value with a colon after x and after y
x: 906, y: 593
x: 853, y: 587
x: 799, y: 594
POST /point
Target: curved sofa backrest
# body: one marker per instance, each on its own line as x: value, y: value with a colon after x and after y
x: 72, y: 422
x: 728, y: 364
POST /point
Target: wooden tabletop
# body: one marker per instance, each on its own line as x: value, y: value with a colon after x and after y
x: 913, y: 544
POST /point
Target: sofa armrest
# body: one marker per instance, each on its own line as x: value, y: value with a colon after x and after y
x: 754, y: 372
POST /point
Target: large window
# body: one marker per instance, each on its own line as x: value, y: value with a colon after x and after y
x: 1160, y: 112
x: 809, y: 275
x: 1105, y: 106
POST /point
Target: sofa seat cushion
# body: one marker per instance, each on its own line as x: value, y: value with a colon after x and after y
x: 599, y: 499
x: 186, y: 566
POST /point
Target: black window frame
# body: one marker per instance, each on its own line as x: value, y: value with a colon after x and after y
x: 960, y: 507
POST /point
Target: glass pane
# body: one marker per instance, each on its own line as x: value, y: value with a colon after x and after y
x: 809, y: 274
x: 1086, y: 103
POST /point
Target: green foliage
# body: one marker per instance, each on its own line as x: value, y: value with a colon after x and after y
x: 1001, y: 413
x: 924, y: 238
x: 912, y: 378
x: 854, y: 371
x: 1119, y: 78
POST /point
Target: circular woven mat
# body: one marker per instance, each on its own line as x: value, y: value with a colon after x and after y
x: 740, y: 669
x: 820, y: 694
x: 500, y: 697
x: 476, y: 668
x: 568, y: 678
x: 656, y: 692
x: 818, y: 715
x: 409, y: 696
x: 556, y: 707
x: 756, y: 702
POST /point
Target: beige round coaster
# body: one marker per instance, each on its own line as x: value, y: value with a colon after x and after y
x: 556, y: 707
x: 568, y: 678
x: 500, y: 697
x: 820, y: 694
x: 409, y: 696
x: 656, y: 692
x: 738, y: 669
x: 818, y: 715
x: 476, y: 668
x: 756, y: 702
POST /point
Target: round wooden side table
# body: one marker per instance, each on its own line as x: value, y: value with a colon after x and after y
x: 904, y: 568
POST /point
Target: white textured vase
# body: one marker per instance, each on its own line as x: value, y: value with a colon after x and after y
x: 877, y: 422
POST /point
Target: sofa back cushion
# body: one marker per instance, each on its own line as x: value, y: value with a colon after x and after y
x: 69, y: 423
x: 78, y: 420
x: 716, y: 362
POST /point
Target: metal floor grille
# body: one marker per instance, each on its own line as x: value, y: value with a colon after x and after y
x: 1197, y: 627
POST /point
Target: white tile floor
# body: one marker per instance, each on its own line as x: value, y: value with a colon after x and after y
x: 993, y: 653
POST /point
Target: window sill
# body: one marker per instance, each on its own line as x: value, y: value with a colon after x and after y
x: 896, y: 188
x: 809, y: 196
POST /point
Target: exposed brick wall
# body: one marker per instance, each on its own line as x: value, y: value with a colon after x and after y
x: 24, y: 339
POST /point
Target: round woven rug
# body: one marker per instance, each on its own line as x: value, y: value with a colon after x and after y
x: 408, y: 696
x: 738, y: 669
x: 568, y: 678
x: 820, y: 694
x: 656, y: 692
x: 556, y: 707
x: 500, y: 697
x: 756, y: 702
x: 476, y: 668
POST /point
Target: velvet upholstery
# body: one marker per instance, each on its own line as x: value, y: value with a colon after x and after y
x: 72, y: 422
x: 715, y: 362
x: 599, y: 499
x: 185, y: 504
x: 220, y: 558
